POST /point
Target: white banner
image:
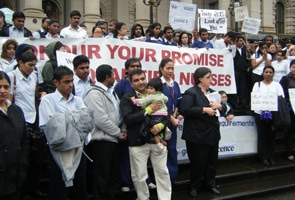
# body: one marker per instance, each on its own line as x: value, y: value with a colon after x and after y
x: 214, y: 21
x: 264, y: 101
x: 291, y: 92
x: 182, y: 15
x: 251, y: 25
x: 115, y: 52
x: 238, y: 137
x: 240, y: 13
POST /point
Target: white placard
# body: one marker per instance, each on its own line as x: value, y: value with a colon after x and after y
x: 241, y: 13
x: 251, y: 25
x: 292, y: 97
x: 238, y: 137
x: 182, y: 15
x: 65, y: 59
x: 214, y: 21
x: 264, y: 101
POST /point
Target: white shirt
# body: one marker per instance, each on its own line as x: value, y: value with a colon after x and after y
x: 258, y: 70
x: 219, y: 44
x: 281, y: 69
x: 4, y: 64
x: 15, y: 32
x: 55, y: 103
x: 24, y: 93
x: 69, y: 32
x: 273, y: 87
x: 81, y: 87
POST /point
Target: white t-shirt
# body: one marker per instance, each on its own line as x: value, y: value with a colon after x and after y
x: 69, y: 32
x: 281, y: 69
x: 258, y: 70
x: 273, y: 87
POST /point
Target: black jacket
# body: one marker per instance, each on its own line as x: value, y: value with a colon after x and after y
x: 133, y: 117
x: 198, y: 128
x: 5, y: 32
x: 14, y: 150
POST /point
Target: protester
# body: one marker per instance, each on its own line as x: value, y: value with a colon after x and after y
x: 108, y: 130
x: 74, y: 30
x: 53, y: 29
x: 41, y: 33
x: 120, y: 31
x: 140, y: 150
x: 288, y: 82
x: 7, y: 54
x: 229, y: 114
x: 97, y: 32
x: 172, y: 91
x: 137, y: 32
x: 15, y: 144
x: 204, y: 41
x: 71, y: 181
x: 201, y: 131
x: 154, y: 34
x: 51, y: 65
x: 266, y: 136
x: 82, y: 80
x: 25, y: 93
x: 18, y: 29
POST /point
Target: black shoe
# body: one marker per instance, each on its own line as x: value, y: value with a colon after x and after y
x: 265, y: 162
x: 271, y: 161
x: 193, y: 193
x: 214, y: 190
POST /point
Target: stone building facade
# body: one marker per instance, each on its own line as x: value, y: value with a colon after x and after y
x: 277, y: 16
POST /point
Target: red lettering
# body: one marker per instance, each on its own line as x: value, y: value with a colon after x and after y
x: 187, y: 58
x: 165, y: 54
x: 112, y: 50
x: 83, y: 50
x: 150, y: 55
x: 93, y: 51
x: 176, y: 57
x: 227, y: 80
x: 212, y: 59
x: 124, y: 52
x: 220, y: 61
x: 213, y: 79
x: 184, y: 79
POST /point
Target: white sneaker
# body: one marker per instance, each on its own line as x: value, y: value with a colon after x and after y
x: 152, y: 186
x: 125, y: 189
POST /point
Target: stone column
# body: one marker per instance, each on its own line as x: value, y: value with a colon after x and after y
x: 224, y: 5
x: 34, y: 14
x: 142, y: 14
x: 92, y: 13
x: 267, y: 19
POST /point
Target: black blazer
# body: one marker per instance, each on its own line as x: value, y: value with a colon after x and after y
x: 133, y: 116
x: 198, y: 128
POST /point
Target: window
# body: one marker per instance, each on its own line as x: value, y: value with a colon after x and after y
x: 280, y: 18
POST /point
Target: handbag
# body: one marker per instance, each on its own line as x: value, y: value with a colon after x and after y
x: 281, y: 118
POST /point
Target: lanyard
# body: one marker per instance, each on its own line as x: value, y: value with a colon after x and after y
x: 171, y: 91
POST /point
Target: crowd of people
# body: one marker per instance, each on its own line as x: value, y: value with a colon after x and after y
x: 129, y: 122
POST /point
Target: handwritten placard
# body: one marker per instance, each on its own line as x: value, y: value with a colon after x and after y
x: 292, y: 97
x: 241, y: 13
x: 65, y: 59
x: 214, y: 21
x: 264, y: 101
x: 251, y: 25
x: 182, y: 15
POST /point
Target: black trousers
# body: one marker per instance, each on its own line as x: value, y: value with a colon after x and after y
x: 266, y: 138
x: 203, y: 160
x: 57, y: 189
x: 105, y: 169
x: 243, y: 88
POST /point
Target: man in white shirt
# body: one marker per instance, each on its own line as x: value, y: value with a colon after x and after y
x: 74, y: 30
x: 82, y: 80
x: 63, y: 101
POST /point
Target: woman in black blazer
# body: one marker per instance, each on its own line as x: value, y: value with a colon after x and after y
x: 201, y: 131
